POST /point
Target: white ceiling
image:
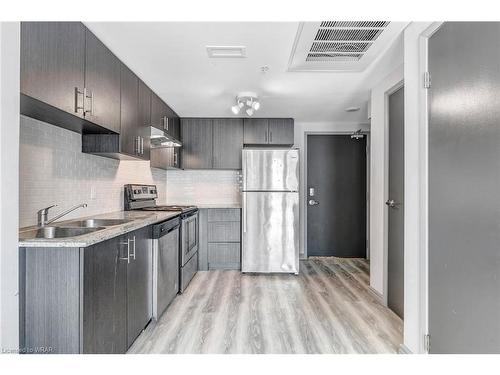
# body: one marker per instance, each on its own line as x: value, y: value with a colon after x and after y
x: 171, y: 58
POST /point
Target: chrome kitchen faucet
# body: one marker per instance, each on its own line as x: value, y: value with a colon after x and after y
x: 44, y: 212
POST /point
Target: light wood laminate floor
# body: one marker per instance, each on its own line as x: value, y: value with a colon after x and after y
x: 327, y: 308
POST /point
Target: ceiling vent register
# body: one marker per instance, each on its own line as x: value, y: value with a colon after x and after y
x: 344, y: 40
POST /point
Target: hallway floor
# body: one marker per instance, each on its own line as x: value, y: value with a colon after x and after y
x: 328, y: 308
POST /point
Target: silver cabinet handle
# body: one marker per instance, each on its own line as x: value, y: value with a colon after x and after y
x: 137, y: 145
x: 166, y: 119
x: 128, y: 251
x: 92, y: 103
x: 91, y: 97
x: 175, y: 159
x: 142, y: 146
x: 78, y: 92
x: 133, y: 240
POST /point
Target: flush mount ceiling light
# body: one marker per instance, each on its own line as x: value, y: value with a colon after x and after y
x: 226, y: 51
x: 352, y: 109
x: 247, y: 102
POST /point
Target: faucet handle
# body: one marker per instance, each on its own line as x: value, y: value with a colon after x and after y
x: 43, y: 214
x: 46, y: 209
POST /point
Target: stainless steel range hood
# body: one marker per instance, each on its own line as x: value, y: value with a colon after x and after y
x: 160, y: 139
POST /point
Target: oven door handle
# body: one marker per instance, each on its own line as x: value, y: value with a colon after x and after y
x: 164, y: 232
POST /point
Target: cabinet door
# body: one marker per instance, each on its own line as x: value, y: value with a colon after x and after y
x: 139, y: 283
x: 228, y: 143
x: 159, y: 112
x: 197, y: 141
x: 105, y: 297
x: 255, y: 131
x: 53, y: 63
x: 144, y: 122
x: 102, y: 81
x: 165, y: 158
x: 176, y: 127
x: 130, y: 127
x: 281, y: 131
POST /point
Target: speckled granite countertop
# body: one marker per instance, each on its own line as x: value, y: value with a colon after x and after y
x: 139, y: 219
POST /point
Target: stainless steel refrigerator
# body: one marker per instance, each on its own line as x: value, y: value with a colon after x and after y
x: 270, y: 223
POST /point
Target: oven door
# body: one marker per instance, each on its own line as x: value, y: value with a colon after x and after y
x: 189, y: 237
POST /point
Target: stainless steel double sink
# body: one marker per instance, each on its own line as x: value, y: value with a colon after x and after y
x: 73, y: 228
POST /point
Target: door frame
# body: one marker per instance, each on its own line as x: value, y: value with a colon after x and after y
x: 365, y: 132
x: 391, y: 90
x: 423, y: 186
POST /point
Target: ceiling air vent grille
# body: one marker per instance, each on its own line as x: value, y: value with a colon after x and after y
x: 344, y: 40
x: 334, y: 56
x: 358, y: 24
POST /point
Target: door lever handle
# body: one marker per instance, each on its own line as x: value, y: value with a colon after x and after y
x: 391, y: 203
x: 312, y: 202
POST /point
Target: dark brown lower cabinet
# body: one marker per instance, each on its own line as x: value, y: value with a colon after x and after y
x: 220, y: 239
x: 139, y: 283
x: 105, y: 297
x: 96, y: 299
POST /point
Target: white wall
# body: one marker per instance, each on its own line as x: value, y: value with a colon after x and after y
x: 204, y: 187
x: 9, y: 200
x: 53, y: 170
x: 301, y: 128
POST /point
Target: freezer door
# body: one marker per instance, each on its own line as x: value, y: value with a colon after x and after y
x: 275, y: 170
x: 270, y: 232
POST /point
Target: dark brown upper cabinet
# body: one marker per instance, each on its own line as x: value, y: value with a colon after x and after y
x: 272, y: 131
x: 131, y: 134
x: 212, y: 143
x: 53, y: 72
x: 166, y: 158
x: 164, y: 118
x: 144, y: 121
x: 52, y: 62
x: 133, y: 140
x: 197, y: 143
x: 256, y: 131
x: 69, y: 78
x: 227, y: 143
x: 102, y: 84
x: 281, y: 131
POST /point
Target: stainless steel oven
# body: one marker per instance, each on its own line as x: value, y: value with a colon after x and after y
x: 143, y: 197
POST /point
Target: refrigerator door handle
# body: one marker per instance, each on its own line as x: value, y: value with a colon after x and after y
x: 244, y: 212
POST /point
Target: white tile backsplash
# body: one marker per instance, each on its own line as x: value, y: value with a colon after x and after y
x: 209, y: 187
x: 53, y: 170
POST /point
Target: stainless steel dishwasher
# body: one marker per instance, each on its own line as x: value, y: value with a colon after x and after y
x: 165, y: 265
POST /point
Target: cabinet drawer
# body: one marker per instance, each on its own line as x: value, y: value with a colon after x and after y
x: 224, y: 214
x: 224, y: 231
x: 223, y: 256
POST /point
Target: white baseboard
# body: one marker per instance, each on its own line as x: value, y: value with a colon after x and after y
x: 377, y: 295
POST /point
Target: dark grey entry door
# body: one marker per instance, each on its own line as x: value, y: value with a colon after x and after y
x: 464, y: 188
x: 395, y: 248
x: 336, y: 210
